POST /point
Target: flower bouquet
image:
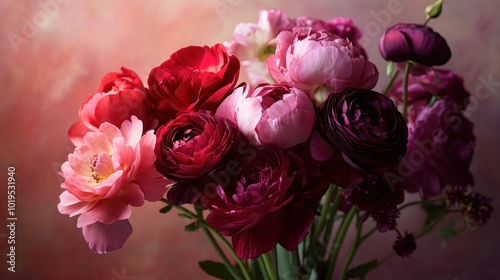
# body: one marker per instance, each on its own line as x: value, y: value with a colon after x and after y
x: 277, y: 165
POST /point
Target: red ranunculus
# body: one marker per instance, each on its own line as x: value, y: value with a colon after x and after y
x: 190, y: 147
x: 193, y: 78
x: 120, y: 95
x: 266, y: 201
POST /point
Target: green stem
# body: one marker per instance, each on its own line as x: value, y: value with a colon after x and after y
x: 270, y: 268
x: 353, y: 249
x: 226, y: 243
x: 390, y: 82
x: 337, y: 244
x: 405, y: 89
x: 218, y: 249
x: 322, y: 218
x: 263, y: 269
x: 333, y: 213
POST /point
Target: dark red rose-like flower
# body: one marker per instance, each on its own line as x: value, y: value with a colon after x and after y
x: 440, y: 149
x: 193, y: 78
x: 360, y: 131
x: 120, y: 95
x: 414, y: 42
x: 189, y: 148
x: 266, y: 201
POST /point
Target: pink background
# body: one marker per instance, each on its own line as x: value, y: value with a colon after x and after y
x: 47, y: 75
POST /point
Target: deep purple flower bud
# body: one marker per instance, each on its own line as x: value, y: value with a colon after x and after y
x: 404, y: 245
x: 414, y: 42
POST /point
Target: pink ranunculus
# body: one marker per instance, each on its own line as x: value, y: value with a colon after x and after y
x: 266, y: 202
x: 112, y: 169
x: 119, y: 96
x: 193, y: 78
x: 253, y: 42
x: 276, y: 115
x: 309, y: 60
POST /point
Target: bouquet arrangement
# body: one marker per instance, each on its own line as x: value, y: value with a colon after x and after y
x: 286, y: 162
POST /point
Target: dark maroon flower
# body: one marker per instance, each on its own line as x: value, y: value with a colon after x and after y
x: 266, y: 201
x: 440, y: 149
x: 361, y: 131
x: 189, y: 148
x: 414, y: 42
x: 434, y: 83
x: 475, y: 207
x: 404, y: 245
x: 378, y: 199
x: 193, y: 78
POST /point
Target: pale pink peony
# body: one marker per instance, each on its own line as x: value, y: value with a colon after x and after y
x: 112, y: 169
x: 253, y: 42
x: 276, y: 115
x: 119, y: 96
x: 309, y: 60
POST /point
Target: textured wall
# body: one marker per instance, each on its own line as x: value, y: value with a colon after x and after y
x: 49, y: 69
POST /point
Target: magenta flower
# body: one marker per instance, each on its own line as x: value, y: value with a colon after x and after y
x: 414, y: 42
x: 119, y: 96
x: 111, y: 170
x: 434, y: 83
x: 267, y: 202
x: 440, y: 149
x: 275, y: 115
x: 309, y: 60
x: 189, y: 148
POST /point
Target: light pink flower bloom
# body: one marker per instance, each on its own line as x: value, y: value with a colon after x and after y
x: 309, y: 60
x: 275, y: 115
x: 252, y: 43
x: 119, y: 96
x: 112, y: 169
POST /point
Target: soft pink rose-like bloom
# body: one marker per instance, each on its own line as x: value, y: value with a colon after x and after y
x: 112, y: 169
x: 309, y: 60
x: 275, y: 115
x: 253, y: 42
x: 119, y: 96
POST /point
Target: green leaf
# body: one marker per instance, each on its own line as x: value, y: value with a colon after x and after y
x: 286, y: 268
x: 434, y: 212
x: 194, y: 226
x: 360, y: 271
x: 449, y: 232
x: 185, y: 216
x: 215, y: 269
x: 390, y: 69
x: 166, y: 209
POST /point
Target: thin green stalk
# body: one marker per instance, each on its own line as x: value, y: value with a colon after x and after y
x: 333, y: 213
x: 332, y: 191
x: 337, y: 244
x: 390, y: 82
x: 263, y: 269
x: 354, y: 247
x: 218, y: 249
x: 270, y: 268
x: 405, y: 89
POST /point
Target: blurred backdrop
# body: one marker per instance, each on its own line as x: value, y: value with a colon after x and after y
x: 54, y: 52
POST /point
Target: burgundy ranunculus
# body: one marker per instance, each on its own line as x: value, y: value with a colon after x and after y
x: 414, y: 42
x: 360, y: 131
x: 440, y: 149
x: 193, y: 78
x: 440, y: 83
x: 266, y: 201
x: 190, y: 147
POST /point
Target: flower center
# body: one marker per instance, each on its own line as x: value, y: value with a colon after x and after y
x: 101, y: 166
x: 183, y: 138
